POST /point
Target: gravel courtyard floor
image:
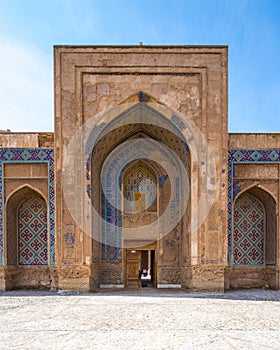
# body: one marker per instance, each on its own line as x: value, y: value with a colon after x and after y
x: 140, y: 319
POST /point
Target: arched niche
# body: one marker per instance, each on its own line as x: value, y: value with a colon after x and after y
x: 255, y: 228
x: 114, y: 141
x: 115, y: 138
x: 26, y: 228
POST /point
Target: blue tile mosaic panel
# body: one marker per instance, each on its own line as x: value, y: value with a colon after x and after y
x: 31, y: 155
x: 248, y: 233
x: 33, y: 232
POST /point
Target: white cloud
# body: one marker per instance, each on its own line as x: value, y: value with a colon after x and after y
x: 26, y: 88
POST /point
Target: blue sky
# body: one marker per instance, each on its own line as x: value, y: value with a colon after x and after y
x: 30, y: 28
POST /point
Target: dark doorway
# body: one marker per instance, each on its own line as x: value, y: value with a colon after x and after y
x: 147, y: 268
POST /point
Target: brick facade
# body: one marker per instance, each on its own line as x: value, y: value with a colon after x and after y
x: 161, y: 111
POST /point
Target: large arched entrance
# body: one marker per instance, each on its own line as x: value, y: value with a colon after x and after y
x: 132, y: 190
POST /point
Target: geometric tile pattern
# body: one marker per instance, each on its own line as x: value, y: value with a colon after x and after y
x: 30, y: 155
x: 32, y: 232
x: 248, y: 234
x: 243, y: 157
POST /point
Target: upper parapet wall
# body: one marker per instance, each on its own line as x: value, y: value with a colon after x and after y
x: 26, y: 139
x: 89, y: 47
x: 189, y: 79
x: 254, y: 141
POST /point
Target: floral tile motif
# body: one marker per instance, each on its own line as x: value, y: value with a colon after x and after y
x: 248, y: 233
x: 33, y: 233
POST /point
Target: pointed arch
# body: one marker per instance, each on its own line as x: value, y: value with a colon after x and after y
x: 142, y: 114
x: 27, y: 186
x: 251, y: 187
x: 112, y: 149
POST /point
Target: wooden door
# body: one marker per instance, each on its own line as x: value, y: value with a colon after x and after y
x: 133, y: 266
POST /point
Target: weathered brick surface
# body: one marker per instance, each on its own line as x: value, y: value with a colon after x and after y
x: 189, y: 81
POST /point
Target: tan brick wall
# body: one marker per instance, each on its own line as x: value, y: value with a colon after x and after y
x: 254, y: 141
x: 189, y: 80
x: 10, y: 139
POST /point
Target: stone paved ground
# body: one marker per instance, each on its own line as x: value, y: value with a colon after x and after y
x: 153, y: 319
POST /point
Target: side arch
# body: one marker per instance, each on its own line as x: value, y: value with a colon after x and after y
x: 255, y: 228
x: 26, y: 228
x: 251, y: 187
